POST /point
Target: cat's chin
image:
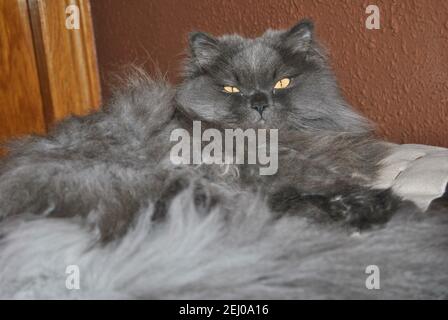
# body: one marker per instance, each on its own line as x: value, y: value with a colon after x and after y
x: 254, y: 124
x: 261, y: 124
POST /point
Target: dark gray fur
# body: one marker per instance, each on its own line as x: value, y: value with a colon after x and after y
x: 108, y: 166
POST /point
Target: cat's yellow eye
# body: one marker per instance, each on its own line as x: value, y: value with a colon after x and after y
x: 282, y: 84
x: 230, y: 89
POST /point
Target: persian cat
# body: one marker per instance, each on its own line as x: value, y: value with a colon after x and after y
x: 101, y: 191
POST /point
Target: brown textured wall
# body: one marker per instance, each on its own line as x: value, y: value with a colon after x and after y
x: 397, y: 76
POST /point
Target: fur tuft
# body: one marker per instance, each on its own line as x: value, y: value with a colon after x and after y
x: 249, y: 256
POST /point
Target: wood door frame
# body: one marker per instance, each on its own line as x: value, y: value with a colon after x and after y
x: 66, y: 59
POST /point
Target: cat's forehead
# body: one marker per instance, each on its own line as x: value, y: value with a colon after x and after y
x: 257, y: 56
x: 252, y: 55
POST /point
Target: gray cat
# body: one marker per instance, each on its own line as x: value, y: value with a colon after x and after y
x: 104, y: 170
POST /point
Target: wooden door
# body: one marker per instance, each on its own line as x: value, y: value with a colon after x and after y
x: 47, y: 70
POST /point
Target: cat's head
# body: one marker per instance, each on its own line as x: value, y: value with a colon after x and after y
x: 279, y: 80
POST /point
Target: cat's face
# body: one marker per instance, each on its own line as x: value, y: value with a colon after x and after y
x: 278, y: 80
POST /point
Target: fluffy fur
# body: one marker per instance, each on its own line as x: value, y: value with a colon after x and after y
x: 248, y: 256
x: 100, y: 192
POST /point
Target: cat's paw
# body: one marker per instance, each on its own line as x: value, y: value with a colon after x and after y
x: 204, y: 195
x: 363, y: 208
x: 357, y: 206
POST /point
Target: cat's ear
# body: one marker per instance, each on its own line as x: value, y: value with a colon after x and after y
x: 299, y: 38
x: 204, y: 48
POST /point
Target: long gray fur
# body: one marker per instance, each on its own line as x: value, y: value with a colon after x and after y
x: 100, y: 192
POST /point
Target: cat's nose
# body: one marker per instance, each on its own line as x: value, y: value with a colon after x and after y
x: 259, y: 108
x: 259, y: 102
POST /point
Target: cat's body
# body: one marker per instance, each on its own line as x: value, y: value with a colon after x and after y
x: 107, y: 171
x: 119, y: 158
